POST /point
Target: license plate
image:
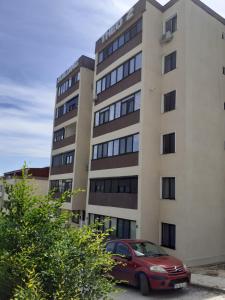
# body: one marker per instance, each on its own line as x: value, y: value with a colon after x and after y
x: 180, y: 285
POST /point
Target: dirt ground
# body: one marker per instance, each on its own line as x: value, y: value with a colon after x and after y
x: 210, y: 270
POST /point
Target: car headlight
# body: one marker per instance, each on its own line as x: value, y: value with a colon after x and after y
x: 185, y: 267
x: 158, y: 269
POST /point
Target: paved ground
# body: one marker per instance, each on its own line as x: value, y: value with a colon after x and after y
x: 191, y: 293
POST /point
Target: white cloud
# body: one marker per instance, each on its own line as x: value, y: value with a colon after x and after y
x: 27, y: 131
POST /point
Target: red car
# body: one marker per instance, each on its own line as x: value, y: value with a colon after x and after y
x: 147, y: 266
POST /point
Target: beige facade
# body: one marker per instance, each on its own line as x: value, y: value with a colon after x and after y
x: 38, y: 180
x: 191, y: 225
x: 71, y: 133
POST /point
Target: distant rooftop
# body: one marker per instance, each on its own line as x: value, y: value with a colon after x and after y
x: 34, y: 172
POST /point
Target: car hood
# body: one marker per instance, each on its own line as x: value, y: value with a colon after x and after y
x: 164, y: 261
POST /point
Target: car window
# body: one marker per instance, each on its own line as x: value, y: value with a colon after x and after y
x: 122, y: 250
x: 110, y: 247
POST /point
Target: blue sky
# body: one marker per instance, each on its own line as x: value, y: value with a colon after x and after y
x: 38, y: 41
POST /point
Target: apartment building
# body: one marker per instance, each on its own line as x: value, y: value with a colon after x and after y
x: 37, y: 179
x: 157, y: 159
x: 71, y: 134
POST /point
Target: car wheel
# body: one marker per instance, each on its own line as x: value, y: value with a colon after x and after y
x: 144, y: 284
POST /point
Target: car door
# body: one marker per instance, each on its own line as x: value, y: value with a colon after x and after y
x: 125, y: 268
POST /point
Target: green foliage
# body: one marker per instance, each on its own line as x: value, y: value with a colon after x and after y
x: 43, y: 257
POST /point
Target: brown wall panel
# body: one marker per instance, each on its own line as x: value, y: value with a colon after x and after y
x: 114, y: 200
x: 120, y: 52
x: 119, y: 87
x: 116, y: 124
x: 71, y: 114
x: 121, y: 161
x: 67, y: 141
x: 62, y: 169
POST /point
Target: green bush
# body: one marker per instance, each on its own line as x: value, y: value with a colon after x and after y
x: 43, y: 257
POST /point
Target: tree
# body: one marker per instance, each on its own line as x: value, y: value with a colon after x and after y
x: 43, y: 257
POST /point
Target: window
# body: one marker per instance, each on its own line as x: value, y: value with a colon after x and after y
x: 110, y: 247
x: 116, y: 147
x: 114, y: 185
x: 171, y: 24
x: 120, y: 41
x: 168, y: 141
x: 122, y: 229
x: 118, y: 109
x: 169, y: 101
x: 122, y: 249
x: 67, y: 107
x: 68, y: 84
x: 59, y: 135
x: 138, y: 59
x: 168, y: 238
x: 119, y: 73
x: 223, y: 70
x: 61, y: 186
x: 170, y: 62
x: 113, y: 77
x: 63, y: 159
x: 168, y: 188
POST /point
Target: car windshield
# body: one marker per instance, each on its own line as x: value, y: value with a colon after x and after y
x: 148, y: 249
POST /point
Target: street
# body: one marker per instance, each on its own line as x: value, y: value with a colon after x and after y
x: 191, y: 293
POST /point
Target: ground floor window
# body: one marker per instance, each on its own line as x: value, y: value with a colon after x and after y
x: 168, y: 237
x: 122, y: 228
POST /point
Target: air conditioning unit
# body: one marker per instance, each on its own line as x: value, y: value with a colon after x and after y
x: 167, y: 37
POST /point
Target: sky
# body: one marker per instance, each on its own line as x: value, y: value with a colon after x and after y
x: 39, y: 40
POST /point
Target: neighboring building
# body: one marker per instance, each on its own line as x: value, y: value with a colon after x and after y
x: 71, y: 133
x: 37, y: 178
x: 157, y: 159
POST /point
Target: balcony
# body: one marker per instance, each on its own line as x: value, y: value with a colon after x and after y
x: 121, y: 200
x: 120, y: 161
x: 71, y: 114
x: 64, y: 169
x: 65, y: 142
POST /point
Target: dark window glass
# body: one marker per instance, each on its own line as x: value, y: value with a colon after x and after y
x: 108, y: 186
x: 115, y: 186
x: 126, y: 36
x: 133, y: 31
x: 171, y: 24
x: 138, y: 61
x: 105, y: 150
x: 130, y: 105
x: 113, y: 77
x: 168, y: 236
x: 119, y: 73
x: 121, y: 249
x: 170, y: 62
x: 100, y: 151
x: 92, y: 186
x: 115, y: 45
x: 132, y: 65
x: 110, y: 247
x: 100, y: 186
x: 123, y: 232
x: 139, y: 25
x: 121, y: 41
x: 60, y: 111
x: 126, y: 69
x: 122, y: 145
x: 100, y: 57
x: 134, y: 185
x: 72, y: 104
x: 170, y: 101
x: 108, y: 81
x: 124, y: 186
x: 123, y: 108
x: 168, y: 188
x: 169, y: 143
x: 129, y: 146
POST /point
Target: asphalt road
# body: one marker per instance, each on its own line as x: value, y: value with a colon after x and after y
x: 190, y: 293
